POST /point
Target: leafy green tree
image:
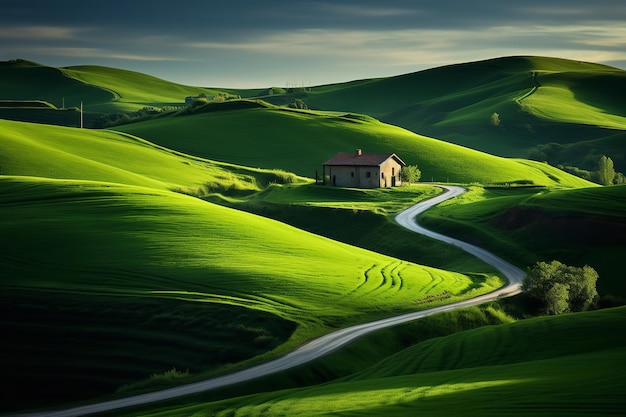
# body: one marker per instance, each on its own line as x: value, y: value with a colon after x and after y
x: 299, y: 104
x: 557, y: 299
x: 275, y: 91
x: 410, y: 174
x: 560, y: 288
x: 606, y: 170
x: 582, y: 291
x: 495, y: 119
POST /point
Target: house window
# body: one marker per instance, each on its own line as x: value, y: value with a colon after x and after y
x: 382, y: 175
x: 352, y: 174
x: 368, y: 174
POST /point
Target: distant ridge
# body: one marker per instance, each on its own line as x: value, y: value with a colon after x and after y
x: 561, y: 111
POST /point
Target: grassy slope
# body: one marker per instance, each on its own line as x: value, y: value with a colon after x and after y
x: 363, y: 218
x: 540, y: 366
x: 267, y: 137
x: 75, y: 245
x: 576, y: 104
x: 359, y: 145
x: 577, y: 227
x: 134, y: 90
x: 66, y: 153
x: 120, y: 241
x: 101, y: 89
x: 37, y: 82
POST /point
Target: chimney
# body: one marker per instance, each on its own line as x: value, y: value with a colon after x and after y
x: 359, y: 152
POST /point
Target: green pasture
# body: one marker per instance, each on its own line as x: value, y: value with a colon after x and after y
x: 50, y: 116
x: 300, y: 141
x: 542, y: 365
x: 101, y: 89
x: 579, y: 98
x: 99, y: 155
x: 539, y: 101
x: 85, y: 263
x: 360, y: 217
x: 37, y: 82
x: 117, y: 279
x: 577, y: 226
x: 133, y: 90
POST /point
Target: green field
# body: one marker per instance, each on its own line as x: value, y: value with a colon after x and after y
x: 95, y: 244
x: 556, y: 110
x: 264, y: 137
x: 101, y: 89
x: 196, y: 242
x: 133, y: 90
x: 541, y: 366
x: 578, y: 226
x: 540, y: 101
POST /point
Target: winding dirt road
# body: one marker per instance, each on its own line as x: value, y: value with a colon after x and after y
x: 330, y: 342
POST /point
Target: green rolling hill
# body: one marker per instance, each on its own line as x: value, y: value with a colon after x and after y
x: 541, y: 366
x: 115, y: 277
x: 562, y: 111
x: 300, y: 141
x: 101, y: 89
x: 585, y: 226
x: 555, y: 110
x: 96, y: 245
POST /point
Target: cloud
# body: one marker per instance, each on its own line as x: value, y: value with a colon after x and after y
x: 393, y: 44
x: 360, y: 10
x: 38, y: 33
x: 78, y: 52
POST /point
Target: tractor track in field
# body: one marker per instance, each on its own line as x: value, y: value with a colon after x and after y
x: 328, y: 343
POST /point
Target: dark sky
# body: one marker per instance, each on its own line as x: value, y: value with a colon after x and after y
x: 243, y: 43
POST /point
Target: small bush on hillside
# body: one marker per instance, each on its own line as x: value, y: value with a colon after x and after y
x: 410, y: 174
x: 275, y: 91
x: 156, y: 380
x: 299, y: 104
x: 282, y: 177
x: 495, y: 119
x: 199, y: 101
x: 222, y: 97
x: 559, y: 288
x: 116, y: 119
x: 582, y: 173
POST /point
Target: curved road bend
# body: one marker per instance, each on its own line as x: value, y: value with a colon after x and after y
x: 330, y: 342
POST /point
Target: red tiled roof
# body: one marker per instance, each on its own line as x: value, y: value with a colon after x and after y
x: 364, y: 159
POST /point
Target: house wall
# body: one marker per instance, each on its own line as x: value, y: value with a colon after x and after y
x: 389, y: 170
x: 363, y: 176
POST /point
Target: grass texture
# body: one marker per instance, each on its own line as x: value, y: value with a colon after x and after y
x: 264, y: 137
x: 106, y: 269
x: 85, y: 246
x: 578, y: 227
x: 541, y: 366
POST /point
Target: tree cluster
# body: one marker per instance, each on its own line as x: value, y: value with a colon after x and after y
x: 606, y: 172
x: 298, y: 104
x: 559, y: 288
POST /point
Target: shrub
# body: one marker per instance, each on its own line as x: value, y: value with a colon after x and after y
x: 299, y: 104
x: 560, y: 288
x: 410, y: 174
x: 495, y: 119
x: 283, y: 177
